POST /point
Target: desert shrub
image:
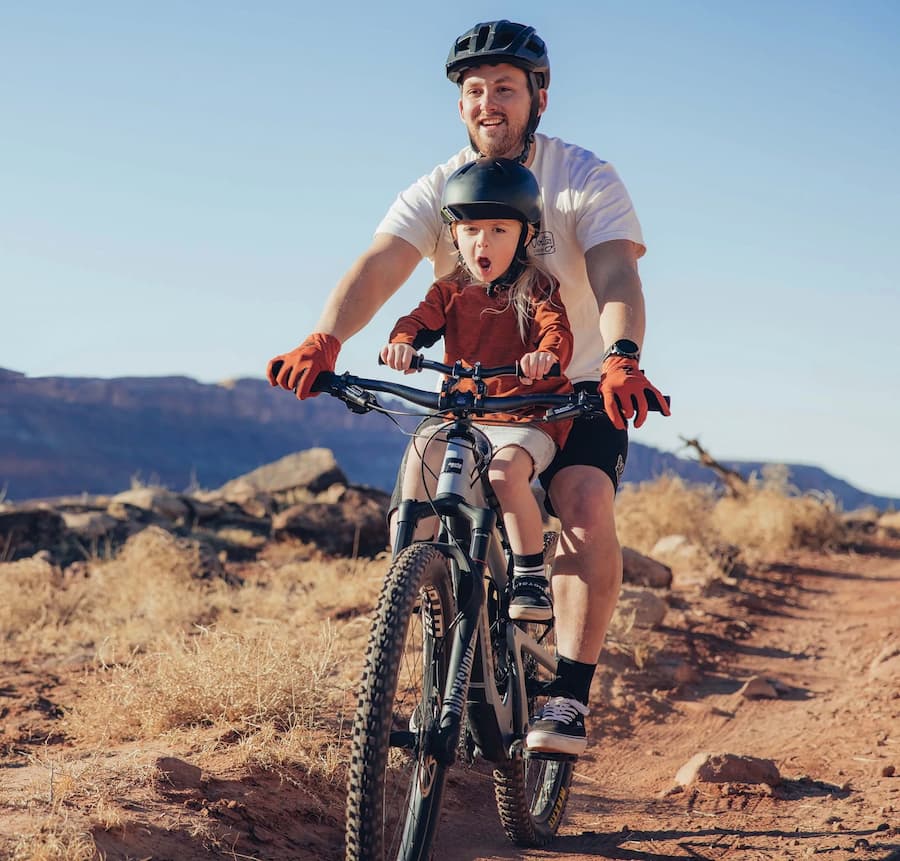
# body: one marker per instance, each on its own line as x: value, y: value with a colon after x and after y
x: 36, y: 604
x: 214, y: 677
x: 57, y: 840
x: 772, y: 516
x: 651, y: 510
x: 769, y: 517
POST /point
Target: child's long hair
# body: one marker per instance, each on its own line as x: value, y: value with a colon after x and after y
x: 535, y: 284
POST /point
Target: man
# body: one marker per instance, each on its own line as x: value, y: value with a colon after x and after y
x: 590, y: 240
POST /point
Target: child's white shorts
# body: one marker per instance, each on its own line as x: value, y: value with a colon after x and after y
x: 538, y: 444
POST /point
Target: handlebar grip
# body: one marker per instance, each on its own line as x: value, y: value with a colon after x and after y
x: 553, y: 371
x: 414, y: 365
x: 653, y: 402
x: 324, y: 381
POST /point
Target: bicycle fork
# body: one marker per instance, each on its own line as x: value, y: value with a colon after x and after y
x: 454, y: 490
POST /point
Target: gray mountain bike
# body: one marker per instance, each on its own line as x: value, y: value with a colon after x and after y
x: 447, y: 673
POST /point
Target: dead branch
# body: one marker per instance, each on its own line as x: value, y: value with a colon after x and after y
x: 735, y: 483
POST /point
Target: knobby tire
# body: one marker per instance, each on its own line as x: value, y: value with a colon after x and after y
x: 394, y: 792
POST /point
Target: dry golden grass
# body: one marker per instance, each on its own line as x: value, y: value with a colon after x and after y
x: 277, y: 668
x: 175, y: 662
x: 668, y: 506
x: 242, y: 679
x: 72, y: 797
x: 58, y: 839
x: 768, y: 519
x: 120, y: 607
x: 35, y: 604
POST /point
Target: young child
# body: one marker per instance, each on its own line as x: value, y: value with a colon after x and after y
x: 497, y: 308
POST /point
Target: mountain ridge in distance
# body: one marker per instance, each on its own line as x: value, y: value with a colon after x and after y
x: 68, y: 435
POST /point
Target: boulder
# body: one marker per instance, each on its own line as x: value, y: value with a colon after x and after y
x: 25, y: 531
x: 355, y: 524
x: 643, y: 571
x: 640, y: 608
x: 160, y: 501
x: 727, y: 768
x: 89, y: 525
x: 758, y: 688
x: 689, y: 563
x: 313, y: 470
x: 889, y: 523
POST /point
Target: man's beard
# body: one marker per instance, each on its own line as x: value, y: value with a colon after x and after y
x: 507, y: 145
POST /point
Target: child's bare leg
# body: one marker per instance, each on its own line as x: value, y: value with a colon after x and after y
x: 510, y: 475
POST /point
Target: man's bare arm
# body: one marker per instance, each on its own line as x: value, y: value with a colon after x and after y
x: 613, y: 272
x: 376, y: 275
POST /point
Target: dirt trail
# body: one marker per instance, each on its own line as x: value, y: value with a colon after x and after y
x: 822, y: 628
x: 825, y: 629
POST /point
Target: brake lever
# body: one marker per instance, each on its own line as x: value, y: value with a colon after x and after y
x: 357, y: 399
x: 566, y: 411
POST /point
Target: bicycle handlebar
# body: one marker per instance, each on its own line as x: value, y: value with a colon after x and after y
x: 459, y: 371
x: 356, y: 392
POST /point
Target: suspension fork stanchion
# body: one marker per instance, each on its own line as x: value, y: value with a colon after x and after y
x: 409, y: 513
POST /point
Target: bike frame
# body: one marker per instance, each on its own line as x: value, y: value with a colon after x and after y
x: 497, y: 719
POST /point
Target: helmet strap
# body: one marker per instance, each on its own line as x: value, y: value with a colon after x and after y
x: 533, y: 118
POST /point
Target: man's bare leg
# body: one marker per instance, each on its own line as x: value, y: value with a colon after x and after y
x: 587, y: 574
x: 419, y: 483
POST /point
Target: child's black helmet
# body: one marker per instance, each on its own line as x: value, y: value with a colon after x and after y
x: 492, y: 188
x: 500, y: 42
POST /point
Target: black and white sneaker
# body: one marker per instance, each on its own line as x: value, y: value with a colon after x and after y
x: 559, y: 727
x: 530, y: 600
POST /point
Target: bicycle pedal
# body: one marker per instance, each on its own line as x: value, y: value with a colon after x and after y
x: 547, y: 755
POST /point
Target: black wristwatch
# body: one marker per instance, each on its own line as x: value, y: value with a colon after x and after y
x: 623, y: 347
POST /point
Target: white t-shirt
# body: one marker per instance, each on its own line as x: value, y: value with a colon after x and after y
x: 585, y: 203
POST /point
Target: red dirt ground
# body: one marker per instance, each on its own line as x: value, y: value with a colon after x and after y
x: 822, y: 628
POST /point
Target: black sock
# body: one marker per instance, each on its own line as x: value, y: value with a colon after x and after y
x: 532, y: 564
x: 573, y: 678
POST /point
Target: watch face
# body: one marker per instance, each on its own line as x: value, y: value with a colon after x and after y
x: 624, y: 347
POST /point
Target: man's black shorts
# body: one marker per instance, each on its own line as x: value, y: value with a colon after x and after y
x: 593, y: 441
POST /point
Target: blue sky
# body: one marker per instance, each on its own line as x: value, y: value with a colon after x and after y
x: 183, y: 183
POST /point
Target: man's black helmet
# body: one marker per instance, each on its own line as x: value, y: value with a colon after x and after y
x: 500, y: 42
x: 492, y: 188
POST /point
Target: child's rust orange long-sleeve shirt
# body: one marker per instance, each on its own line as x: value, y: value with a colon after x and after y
x: 477, y: 327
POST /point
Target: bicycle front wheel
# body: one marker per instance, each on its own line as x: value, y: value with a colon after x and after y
x: 395, y: 782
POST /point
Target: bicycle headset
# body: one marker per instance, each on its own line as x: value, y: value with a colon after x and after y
x: 504, y: 41
x: 495, y: 188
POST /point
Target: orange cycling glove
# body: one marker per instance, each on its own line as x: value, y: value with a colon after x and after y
x: 625, y: 388
x: 297, y: 370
